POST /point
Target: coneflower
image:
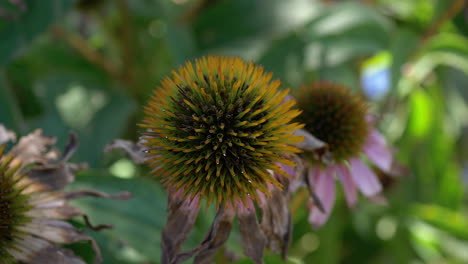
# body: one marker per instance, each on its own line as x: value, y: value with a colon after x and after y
x: 342, y: 120
x: 217, y: 127
x: 215, y: 131
x: 33, y: 215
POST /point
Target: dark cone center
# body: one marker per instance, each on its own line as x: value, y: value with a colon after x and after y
x: 335, y: 116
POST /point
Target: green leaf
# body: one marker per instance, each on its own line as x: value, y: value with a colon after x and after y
x: 444, y: 49
x: 238, y: 26
x: 437, y: 216
x: 18, y: 33
x: 72, y: 102
x: 403, y: 43
x: 137, y: 222
x: 10, y: 116
x: 330, y: 39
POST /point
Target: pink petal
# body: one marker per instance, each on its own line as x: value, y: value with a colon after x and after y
x: 371, y: 118
x: 325, y: 189
x: 288, y: 169
x: 377, y: 151
x: 349, y: 187
x: 313, y: 175
x: 364, y: 178
x: 195, y: 203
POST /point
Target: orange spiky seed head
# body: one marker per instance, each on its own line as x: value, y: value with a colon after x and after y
x: 215, y: 128
x: 13, y: 207
x: 336, y: 116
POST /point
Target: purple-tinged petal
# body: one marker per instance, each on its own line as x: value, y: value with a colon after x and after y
x: 276, y: 221
x: 371, y: 118
x: 216, y: 237
x: 180, y: 220
x: 364, y: 178
x: 253, y: 238
x: 288, y: 169
x: 349, y: 187
x: 377, y: 151
x: 245, y: 208
x: 311, y: 183
x: 325, y: 186
x: 288, y: 98
x: 297, y: 175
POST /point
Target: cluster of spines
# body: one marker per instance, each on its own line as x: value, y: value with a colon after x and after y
x: 13, y: 206
x: 216, y: 128
x: 335, y: 115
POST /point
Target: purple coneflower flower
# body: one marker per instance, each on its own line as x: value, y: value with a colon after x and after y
x: 342, y: 120
x: 215, y: 131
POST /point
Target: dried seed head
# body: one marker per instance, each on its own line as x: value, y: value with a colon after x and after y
x: 13, y: 207
x: 336, y: 116
x: 215, y: 128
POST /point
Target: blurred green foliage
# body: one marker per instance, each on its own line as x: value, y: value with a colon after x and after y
x: 89, y: 65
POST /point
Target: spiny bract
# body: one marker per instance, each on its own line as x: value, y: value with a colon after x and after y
x: 215, y: 128
x: 13, y: 208
x: 336, y: 116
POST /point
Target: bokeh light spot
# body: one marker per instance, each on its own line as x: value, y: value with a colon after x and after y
x: 123, y: 168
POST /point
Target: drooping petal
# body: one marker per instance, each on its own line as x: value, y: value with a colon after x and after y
x: 6, y: 135
x: 364, y: 178
x: 377, y: 151
x: 253, y: 238
x: 349, y: 187
x: 57, y: 255
x: 312, y: 175
x: 325, y: 188
x: 215, y: 239
x: 180, y: 220
x: 136, y: 151
x: 219, y: 238
x: 276, y: 220
x: 57, y: 231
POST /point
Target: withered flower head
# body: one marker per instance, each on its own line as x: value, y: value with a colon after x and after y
x: 13, y: 206
x: 341, y: 119
x: 34, y: 209
x: 216, y: 127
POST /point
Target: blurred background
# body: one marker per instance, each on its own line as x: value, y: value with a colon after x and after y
x: 89, y: 65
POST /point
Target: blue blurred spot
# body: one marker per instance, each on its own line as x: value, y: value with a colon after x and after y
x: 376, y: 83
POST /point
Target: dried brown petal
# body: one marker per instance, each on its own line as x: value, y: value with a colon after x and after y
x: 6, y: 135
x: 253, y: 238
x: 135, y: 151
x: 55, y: 175
x: 180, y: 220
x: 59, y: 232
x: 55, y: 212
x: 92, y: 193
x: 35, y: 148
x: 276, y: 221
x: 56, y: 255
x: 217, y: 236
